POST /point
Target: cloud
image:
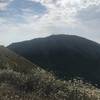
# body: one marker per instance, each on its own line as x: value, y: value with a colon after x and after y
x: 78, y: 17
x: 72, y: 14
x: 4, y: 4
x: 90, y: 18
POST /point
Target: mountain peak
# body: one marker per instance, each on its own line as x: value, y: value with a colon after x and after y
x: 66, y: 55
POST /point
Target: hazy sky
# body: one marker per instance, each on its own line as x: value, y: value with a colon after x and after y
x: 28, y: 19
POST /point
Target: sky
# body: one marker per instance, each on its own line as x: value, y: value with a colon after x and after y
x: 27, y: 19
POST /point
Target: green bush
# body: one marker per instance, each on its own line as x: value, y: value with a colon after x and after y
x: 42, y: 85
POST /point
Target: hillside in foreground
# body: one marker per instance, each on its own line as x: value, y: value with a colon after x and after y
x: 66, y: 55
x: 22, y: 80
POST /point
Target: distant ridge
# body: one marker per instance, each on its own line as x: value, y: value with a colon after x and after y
x: 66, y: 55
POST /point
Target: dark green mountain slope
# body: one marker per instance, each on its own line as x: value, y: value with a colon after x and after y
x: 67, y: 55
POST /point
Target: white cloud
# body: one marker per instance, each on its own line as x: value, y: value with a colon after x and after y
x: 79, y: 17
x: 72, y: 14
x: 4, y: 4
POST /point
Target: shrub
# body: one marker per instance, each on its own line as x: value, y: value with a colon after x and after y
x: 42, y: 85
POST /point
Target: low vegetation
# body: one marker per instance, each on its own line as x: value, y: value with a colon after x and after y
x: 42, y: 85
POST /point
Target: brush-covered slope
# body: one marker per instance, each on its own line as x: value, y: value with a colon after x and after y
x: 10, y: 60
x: 67, y: 55
x: 21, y: 80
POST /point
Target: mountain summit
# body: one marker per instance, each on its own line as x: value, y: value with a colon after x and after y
x: 66, y: 55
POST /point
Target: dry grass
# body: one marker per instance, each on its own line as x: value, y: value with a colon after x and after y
x: 42, y: 85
